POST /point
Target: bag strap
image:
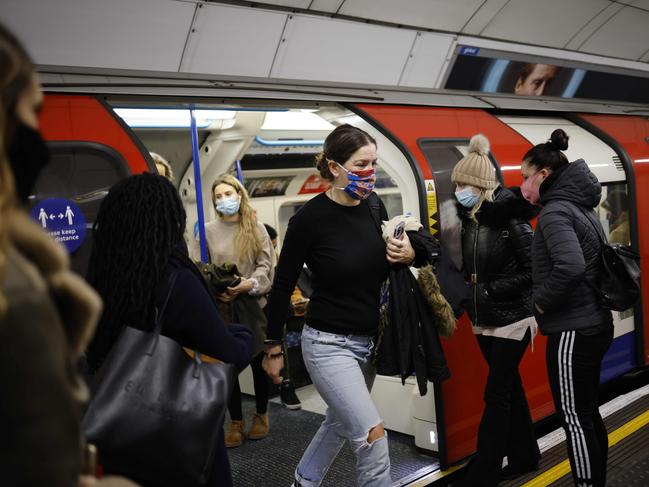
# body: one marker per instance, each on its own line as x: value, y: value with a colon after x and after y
x: 159, y: 312
x: 597, y: 230
x: 374, y: 204
x: 602, y: 239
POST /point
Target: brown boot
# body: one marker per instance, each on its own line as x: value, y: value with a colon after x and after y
x: 234, y: 436
x: 260, y: 426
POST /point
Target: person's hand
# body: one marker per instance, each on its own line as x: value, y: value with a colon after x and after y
x: 299, y: 307
x: 400, y: 251
x: 539, y: 309
x: 273, y: 365
x: 243, y: 287
x: 225, y: 297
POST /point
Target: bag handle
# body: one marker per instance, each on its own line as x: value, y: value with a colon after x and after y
x: 159, y: 314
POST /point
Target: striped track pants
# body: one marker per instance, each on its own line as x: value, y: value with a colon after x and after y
x: 574, y: 360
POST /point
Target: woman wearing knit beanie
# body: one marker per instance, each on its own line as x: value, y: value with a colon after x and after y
x: 496, y: 240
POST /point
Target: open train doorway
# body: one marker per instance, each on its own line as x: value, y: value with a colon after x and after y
x: 271, y: 148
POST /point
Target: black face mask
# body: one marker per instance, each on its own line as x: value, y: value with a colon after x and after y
x: 28, y: 154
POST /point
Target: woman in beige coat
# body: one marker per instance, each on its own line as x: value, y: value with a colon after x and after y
x: 47, y: 313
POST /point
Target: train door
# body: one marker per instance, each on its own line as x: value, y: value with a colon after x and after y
x: 629, y: 137
x: 434, y: 139
x: 90, y: 150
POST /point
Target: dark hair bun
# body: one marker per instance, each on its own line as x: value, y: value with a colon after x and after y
x: 559, y: 140
x: 322, y: 166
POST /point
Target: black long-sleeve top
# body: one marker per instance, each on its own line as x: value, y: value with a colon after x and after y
x: 343, y: 249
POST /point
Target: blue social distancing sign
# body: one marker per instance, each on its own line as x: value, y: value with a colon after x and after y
x: 63, y: 220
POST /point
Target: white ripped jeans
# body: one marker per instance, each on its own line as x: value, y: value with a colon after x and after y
x: 341, y: 370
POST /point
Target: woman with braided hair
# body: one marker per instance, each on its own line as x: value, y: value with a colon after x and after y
x: 138, y: 245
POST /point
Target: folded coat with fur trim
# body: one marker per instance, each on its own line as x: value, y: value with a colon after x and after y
x: 410, y: 340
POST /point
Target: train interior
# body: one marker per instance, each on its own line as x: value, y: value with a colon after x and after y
x: 272, y: 146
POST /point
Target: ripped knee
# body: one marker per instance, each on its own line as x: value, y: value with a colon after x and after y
x: 375, y: 433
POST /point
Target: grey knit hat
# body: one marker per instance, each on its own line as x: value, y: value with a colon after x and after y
x: 475, y: 168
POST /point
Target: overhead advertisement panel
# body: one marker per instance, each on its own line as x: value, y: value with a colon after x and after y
x: 491, y: 71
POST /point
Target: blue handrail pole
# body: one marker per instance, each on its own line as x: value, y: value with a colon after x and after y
x: 239, y: 171
x: 198, y: 186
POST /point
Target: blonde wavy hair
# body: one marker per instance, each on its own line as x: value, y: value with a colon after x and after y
x: 158, y: 159
x: 247, y: 241
x: 16, y: 75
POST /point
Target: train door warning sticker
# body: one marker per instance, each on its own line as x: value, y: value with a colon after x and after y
x: 431, y: 201
x: 63, y: 220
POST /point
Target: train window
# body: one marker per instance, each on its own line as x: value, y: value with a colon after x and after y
x: 614, y: 213
x: 267, y: 186
x: 82, y: 172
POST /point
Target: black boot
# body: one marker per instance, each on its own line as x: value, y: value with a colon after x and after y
x: 288, y: 396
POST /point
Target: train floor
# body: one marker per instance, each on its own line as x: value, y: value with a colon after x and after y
x: 627, y: 422
x: 271, y: 462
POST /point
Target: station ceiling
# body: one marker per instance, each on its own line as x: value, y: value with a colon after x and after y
x: 616, y: 28
x: 402, y: 46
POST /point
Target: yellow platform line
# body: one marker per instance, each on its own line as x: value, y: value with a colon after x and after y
x: 563, y: 468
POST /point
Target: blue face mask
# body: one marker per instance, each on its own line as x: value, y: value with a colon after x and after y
x: 467, y: 197
x: 227, y: 206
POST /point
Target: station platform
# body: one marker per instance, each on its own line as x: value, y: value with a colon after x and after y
x: 627, y: 422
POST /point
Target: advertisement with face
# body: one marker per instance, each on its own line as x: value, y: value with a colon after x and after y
x: 488, y: 71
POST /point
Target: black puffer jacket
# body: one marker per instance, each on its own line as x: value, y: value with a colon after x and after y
x: 497, y: 260
x: 565, y: 252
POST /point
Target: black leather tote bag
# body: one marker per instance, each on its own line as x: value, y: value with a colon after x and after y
x: 156, y: 412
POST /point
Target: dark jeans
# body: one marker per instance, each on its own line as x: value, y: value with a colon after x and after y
x: 506, y: 425
x: 574, y: 361
x: 260, y: 380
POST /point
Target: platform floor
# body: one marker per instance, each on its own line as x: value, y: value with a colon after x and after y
x: 271, y: 462
x: 628, y: 459
x: 627, y: 423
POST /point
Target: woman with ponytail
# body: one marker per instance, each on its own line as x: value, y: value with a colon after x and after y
x: 496, y: 241
x: 336, y: 235
x: 565, y: 263
x: 236, y: 237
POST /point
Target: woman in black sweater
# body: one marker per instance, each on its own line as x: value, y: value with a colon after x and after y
x: 138, y: 244
x: 338, y: 238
